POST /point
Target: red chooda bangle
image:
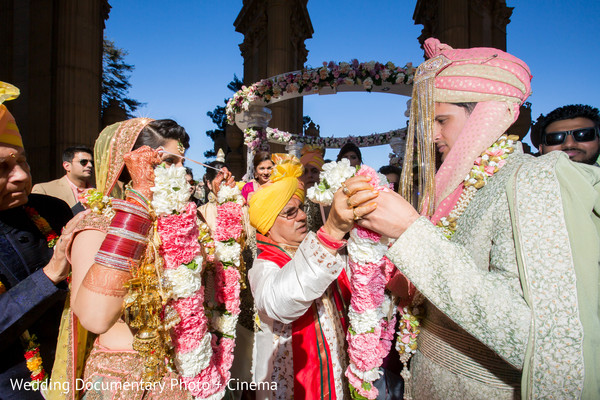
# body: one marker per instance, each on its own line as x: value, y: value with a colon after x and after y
x: 126, y: 238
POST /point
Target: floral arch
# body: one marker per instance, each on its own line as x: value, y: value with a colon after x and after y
x: 247, y: 108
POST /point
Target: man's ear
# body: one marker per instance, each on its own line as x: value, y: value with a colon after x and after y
x: 67, y: 166
x: 540, y: 149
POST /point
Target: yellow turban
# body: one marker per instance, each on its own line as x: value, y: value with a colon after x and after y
x: 271, y: 198
x: 9, y: 133
x: 312, y: 155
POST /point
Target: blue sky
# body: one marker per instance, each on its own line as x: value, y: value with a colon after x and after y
x: 186, y: 52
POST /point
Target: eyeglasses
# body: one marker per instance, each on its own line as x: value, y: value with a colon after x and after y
x: 579, y: 135
x: 85, y: 162
x: 290, y: 214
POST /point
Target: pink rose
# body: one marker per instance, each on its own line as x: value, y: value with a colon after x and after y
x: 179, y: 237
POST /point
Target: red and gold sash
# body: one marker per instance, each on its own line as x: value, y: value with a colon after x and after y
x: 313, y: 371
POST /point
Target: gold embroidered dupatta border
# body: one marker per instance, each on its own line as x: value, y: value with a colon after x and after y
x: 75, y: 342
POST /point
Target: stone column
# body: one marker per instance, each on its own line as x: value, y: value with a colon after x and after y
x: 274, y: 34
x: 78, y: 73
x: 52, y: 51
x: 464, y: 23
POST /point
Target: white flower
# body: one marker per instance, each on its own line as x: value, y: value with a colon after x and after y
x: 386, y: 307
x: 383, y: 180
x: 331, y: 179
x: 183, y: 280
x: 369, y: 376
x: 336, y: 173
x: 228, y: 252
x: 225, y: 323
x: 363, y: 322
x: 320, y: 197
x: 193, y: 362
x: 363, y: 250
x: 171, y: 190
x: 227, y: 193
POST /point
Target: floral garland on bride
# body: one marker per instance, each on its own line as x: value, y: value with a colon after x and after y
x: 203, y: 358
x: 372, y: 311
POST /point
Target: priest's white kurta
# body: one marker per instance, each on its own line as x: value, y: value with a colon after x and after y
x: 281, y: 296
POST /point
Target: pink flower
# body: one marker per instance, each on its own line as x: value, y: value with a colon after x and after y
x: 364, y: 359
x: 367, y: 285
x: 227, y: 288
x: 389, y: 269
x: 496, y: 152
x: 368, y: 234
x: 489, y: 170
x: 365, y: 170
x: 206, y: 383
x: 224, y: 356
x: 357, y: 384
x: 179, y: 237
x: 193, y: 326
x: 229, y: 216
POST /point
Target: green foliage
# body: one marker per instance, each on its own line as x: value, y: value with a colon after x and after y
x: 305, y: 121
x: 219, y: 116
x: 115, y: 79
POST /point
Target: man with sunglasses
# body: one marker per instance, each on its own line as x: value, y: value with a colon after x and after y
x: 573, y: 129
x: 79, y: 165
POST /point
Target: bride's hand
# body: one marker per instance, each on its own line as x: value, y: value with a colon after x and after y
x: 140, y: 164
x: 224, y: 177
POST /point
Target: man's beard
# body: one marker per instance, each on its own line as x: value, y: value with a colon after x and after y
x: 591, y: 160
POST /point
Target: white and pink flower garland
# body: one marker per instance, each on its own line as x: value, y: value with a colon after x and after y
x: 203, y: 359
x: 259, y: 138
x: 310, y: 80
x: 372, y: 311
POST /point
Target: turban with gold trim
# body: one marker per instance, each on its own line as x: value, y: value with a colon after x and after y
x: 271, y: 198
x: 497, y: 81
x: 312, y: 155
x: 9, y: 132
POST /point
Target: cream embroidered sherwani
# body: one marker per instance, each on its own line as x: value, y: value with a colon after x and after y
x: 520, y: 276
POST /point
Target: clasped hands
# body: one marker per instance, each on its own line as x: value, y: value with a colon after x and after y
x: 386, y: 213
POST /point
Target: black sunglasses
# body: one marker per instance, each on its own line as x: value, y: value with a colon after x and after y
x: 85, y: 162
x: 580, y: 135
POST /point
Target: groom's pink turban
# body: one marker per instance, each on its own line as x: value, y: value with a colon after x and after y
x: 497, y: 81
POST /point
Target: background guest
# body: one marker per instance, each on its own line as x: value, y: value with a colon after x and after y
x: 572, y: 129
x: 78, y: 164
x: 33, y: 265
x: 352, y: 153
x: 262, y: 172
x: 392, y: 173
x: 312, y: 161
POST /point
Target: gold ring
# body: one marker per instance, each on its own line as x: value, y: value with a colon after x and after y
x: 349, y: 203
x: 345, y: 190
x: 356, y: 217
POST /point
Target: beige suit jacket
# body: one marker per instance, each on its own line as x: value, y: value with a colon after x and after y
x: 57, y: 188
